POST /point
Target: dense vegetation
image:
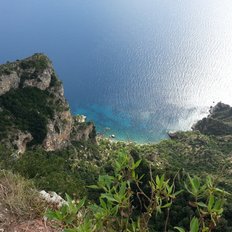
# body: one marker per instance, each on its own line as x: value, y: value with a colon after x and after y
x: 73, y: 169
x: 39, y: 62
x: 28, y: 109
x: 124, y: 205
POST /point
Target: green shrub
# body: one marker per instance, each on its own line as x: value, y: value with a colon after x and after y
x: 28, y: 109
x: 37, y: 61
x: 116, y: 210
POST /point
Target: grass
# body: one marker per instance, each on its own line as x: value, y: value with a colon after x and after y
x: 20, y: 196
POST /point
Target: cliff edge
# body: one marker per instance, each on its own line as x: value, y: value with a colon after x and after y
x: 33, y: 109
x: 218, y: 122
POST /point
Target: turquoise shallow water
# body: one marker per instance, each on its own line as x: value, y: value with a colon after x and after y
x: 141, y: 68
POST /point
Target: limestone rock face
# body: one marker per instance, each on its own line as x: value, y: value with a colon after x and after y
x: 35, y: 71
x: 42, y: 81
x: 8, y: 82
x: 21, y: 140
x: 58, y: 131
x: 18, y: 140
x: 55, y: 121
x: 84, y: 132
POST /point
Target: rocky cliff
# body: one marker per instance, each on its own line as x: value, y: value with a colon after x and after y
x: 218, y: 122
x: 33, y: 109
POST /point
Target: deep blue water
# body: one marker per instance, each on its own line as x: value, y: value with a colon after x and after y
x: 138, y: 67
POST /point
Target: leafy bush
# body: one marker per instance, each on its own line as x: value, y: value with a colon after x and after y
x: 116, y: 210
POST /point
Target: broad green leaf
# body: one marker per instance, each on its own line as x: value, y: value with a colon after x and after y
x: 209, y: 181
x: 202, y: 204
x: 221, y: 191
x: 122, y: 188
x: 211, y: 202
x: 194, y: 185
x: 109, y: 198
x: 162, y: 180
x: 179, y: 229
x: 93, y: 187
x: 102, y: 203
x: 170, y: 188
x: 194, y: 225
x: 157, y: 179
x: 137, y: 164
x: 218, y: 204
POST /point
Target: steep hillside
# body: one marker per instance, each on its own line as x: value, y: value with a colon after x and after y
x: 33, y: 109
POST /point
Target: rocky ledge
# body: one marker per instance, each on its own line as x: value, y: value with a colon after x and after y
x: 218, y: 122
x: 33, y: 109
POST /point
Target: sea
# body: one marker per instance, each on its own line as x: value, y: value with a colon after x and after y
x: 138, y: 69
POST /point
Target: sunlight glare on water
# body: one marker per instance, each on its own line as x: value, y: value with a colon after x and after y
x: 139, y: 67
